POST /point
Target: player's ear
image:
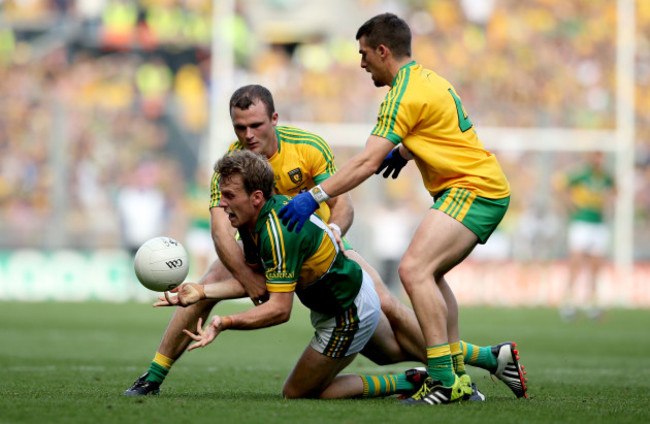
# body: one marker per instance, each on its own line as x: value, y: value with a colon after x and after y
x: 257, y: 197
x: 383, y: 51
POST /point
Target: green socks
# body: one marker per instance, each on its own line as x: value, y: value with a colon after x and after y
x: 439, y: 363
x: 159, y: 368
x: 478, y: 356
x: 384, y: 385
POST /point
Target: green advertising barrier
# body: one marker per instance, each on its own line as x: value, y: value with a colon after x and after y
x: 69, y: 275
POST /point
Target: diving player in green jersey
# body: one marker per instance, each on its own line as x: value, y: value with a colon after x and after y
x: 300, y: 160
x: 345, y: 310
x: 422, y: 118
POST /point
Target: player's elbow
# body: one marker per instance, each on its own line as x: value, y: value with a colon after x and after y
x: 280, y: 316
x: 283, y: 317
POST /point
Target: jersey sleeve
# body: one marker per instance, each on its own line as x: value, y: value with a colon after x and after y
x: 280, y: 254
x: 394, y: 120
x: 319, y: 158
x: 215, y: 193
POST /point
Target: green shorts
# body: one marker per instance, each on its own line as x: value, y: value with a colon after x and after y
x: 480, y: 214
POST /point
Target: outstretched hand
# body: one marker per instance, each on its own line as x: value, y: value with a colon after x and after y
x: 297, y: 211
x: 204, y: 337
x: 393, y: 162
x: 187, y: 294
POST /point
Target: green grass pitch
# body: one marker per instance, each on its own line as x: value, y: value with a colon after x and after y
x: 70, y: 363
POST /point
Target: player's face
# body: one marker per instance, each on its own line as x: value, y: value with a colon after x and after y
x: 255, y: 129
x: 237, y: 203
x: 372, y: 62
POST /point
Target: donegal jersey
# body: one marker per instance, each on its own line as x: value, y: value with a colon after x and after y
x: 423, y: 111
x: 303, y: 160
x: 309, y: 262
x: 588, y: 189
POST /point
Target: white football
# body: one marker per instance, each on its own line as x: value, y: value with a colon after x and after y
x: 161, y: 264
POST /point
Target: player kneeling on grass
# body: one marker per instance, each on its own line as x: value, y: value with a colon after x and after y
x: 345, y: 309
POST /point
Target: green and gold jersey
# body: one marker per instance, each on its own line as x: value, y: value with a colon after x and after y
x: 303, y: 160
x: 423, y: 111
x: 309, y: 262
x: 588, y: 189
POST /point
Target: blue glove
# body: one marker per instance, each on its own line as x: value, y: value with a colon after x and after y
x: 298, y: 210
x: 393, y: 162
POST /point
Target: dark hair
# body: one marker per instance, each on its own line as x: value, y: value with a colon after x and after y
x: 254, y: 169
x: 245, y: 96
x: 389, y: 30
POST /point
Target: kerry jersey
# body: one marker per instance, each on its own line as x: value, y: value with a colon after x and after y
x: 588, y: 189
x: 423, y: 111
x: 309, y: 262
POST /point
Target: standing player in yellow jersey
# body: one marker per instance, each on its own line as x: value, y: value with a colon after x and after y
x: 300, y: 160
x: 423, y: 116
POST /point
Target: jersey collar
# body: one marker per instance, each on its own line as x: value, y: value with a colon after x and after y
x: 411, y: 63
x: 268, y: 206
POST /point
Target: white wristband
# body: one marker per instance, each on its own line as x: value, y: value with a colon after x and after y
x: 336, y: 228
x: 318, y: 194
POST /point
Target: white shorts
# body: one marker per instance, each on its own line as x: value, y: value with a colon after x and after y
x: 588, y: 237
x: 348, y: 333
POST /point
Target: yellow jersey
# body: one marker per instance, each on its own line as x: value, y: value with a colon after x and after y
x: 423, y: 111
x: 303, y: 160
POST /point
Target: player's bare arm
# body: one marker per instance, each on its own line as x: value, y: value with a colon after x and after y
x: 341, y: 212
x: 359, y: 168
x: 189, y: 293
x: 232, y: 256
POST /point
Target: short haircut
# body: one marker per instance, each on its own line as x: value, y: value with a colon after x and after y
x: 245, y: 96
x: 389, y: 30
x: 255, y: 171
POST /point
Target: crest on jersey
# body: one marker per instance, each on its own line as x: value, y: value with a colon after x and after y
x: 295, y: 175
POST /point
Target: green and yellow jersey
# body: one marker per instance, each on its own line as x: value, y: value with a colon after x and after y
x: 588, y: 191
x: 309, y: 262
x: 423, y: 111
x: 303, y: 160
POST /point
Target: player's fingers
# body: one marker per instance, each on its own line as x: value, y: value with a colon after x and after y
x: 170, y: 300
x: 388, y: 171
x: 192, y: 335
x: 396, y: 173
x: 291, y: 224
x: 299, y: 226
x: 194, y: 346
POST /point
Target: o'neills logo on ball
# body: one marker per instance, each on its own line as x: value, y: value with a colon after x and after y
x: 169, y: 242
x: 176, y: 263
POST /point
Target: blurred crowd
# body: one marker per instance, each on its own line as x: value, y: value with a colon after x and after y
x: 104, y: 104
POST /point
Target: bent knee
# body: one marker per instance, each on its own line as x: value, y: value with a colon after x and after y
x: 290, y: 392
x: 413, y: 273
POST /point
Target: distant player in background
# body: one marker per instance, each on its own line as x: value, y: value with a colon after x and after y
x: 142, y: 207
x: 300, y: 160
x: 588, y: 192
x: 423, y: 116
